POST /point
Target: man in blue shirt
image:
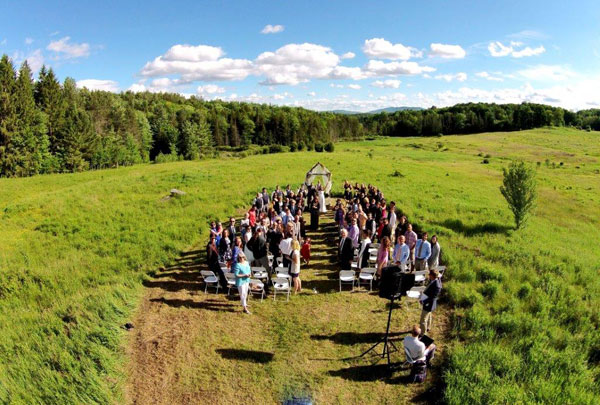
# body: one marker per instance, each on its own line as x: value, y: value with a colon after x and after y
x: 422, y: 252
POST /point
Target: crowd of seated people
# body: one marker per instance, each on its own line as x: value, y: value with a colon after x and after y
x: 273, y: 232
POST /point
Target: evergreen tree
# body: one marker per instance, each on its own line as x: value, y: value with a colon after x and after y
x: 8, y: 119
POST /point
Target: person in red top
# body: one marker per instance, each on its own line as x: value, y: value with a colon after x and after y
x: 305, y: 251
x: 252, y: 216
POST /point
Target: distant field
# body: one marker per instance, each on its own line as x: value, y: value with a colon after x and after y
x: 524, y: 305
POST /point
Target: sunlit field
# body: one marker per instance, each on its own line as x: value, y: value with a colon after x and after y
x: 518, y: 322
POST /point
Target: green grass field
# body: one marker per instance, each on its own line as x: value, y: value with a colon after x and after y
x: 80, y: 253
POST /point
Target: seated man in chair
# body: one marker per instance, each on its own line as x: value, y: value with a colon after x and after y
x: 420, y: 355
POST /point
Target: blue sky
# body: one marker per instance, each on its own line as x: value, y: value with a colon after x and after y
x: 319, y: 54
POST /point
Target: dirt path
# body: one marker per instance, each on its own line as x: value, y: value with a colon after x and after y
x: 172, y: 361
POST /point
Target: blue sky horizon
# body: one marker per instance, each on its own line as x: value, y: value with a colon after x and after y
x: 326, y: 55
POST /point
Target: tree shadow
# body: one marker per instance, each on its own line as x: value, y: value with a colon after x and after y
x: 370, y: 373
x: 208, y: 305
x: 473, y: 230
x: 246, y: 355
x: 177, y: 284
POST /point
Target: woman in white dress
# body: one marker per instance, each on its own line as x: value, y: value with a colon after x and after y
x: 295, y: 268
x: 323, y: 208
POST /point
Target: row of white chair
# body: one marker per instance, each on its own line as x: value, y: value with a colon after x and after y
x: 280, y: 284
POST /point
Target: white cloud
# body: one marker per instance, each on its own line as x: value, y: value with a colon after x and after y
x: 69, y: 50
x: 498, y: 49
x: 137, y: 88
x: 272, y: 29
x: 345, y: 72
x: 28, y: 41
x: 202, y: 62
x: 354, y: 86
x: 489, y: 76
x: 336, y: 86
x: 296, y: 63
x: 35, y: 60
x: 547, y: 73
x: 312, y: 93
x: 459, y: 77
x: 95, y: 84
x: 379, y: 48
x: 3, y: 42
x: 348, y: 55
x: 387, y: 84
x: 447, y: 51
x: 210, y: 89
x: 380, y: 68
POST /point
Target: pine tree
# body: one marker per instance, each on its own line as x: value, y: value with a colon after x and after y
x: 8, y: 118
x: 49, y: 99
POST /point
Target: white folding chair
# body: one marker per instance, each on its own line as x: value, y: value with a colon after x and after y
x: 348, y: 277
x: 259, y: 273
x: 281, y: 284
x: 230, y: 282
x: 415, y: 292
x: 374, y: 246
x: 210, y: 279
x: 259, y: 288
x: 366, y: 276
x: 421, y: 276
x: 283, y: 272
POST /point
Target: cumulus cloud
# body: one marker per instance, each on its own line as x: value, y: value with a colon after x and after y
x: 515, y: 49
x: 210, y: 89
x: 96, y: 84
x: 68, y: 50
x: 459, y: 77
x: 311, y: 93
x: 379, y: 48
x: 489, y: 76
x: 202, y: 63
x: 3, y: 42
x: 547, y: 73
x: 447, y: 51
x: 296, y: 63
x: 28, y: 41
x: 35, y: 60
x: 387, y: 84
x: 272, y: 29
x: 381, y: 68
x: 354, y: 86
x: 348, y: 55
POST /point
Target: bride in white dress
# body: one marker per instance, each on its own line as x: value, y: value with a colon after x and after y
x: 323, y: 208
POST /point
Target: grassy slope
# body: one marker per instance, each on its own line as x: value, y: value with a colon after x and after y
x: 75, y: 247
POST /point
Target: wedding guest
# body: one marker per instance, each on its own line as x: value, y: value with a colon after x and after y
x: 242, y: 272
x: 434, y: 260
x: 295, y: 267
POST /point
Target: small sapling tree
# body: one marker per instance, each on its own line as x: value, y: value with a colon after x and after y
x: 519, y: 189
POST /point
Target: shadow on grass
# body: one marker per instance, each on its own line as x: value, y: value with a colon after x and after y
x: 473, y: 230
x: 208, y: 305
x: 246, y: 355
x: 352, y: 338
x: 370, y: 373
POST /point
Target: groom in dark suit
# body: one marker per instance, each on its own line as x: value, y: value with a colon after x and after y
x: 346, y: 250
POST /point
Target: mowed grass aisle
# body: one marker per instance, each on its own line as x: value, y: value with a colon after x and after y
x: 191, y: 347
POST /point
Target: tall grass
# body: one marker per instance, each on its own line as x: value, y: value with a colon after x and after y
x: 75, y: 249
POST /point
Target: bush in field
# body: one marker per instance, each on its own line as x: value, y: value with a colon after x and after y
x: 329, y: 147
x: 518, y: 188
x: 293, y: 147
x: 318, y: 147
x: 300, y: 145
x: 275, y: 149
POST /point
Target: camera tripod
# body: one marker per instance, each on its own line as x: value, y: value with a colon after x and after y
x: 388, y: 345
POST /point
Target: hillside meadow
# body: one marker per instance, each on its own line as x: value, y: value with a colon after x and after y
x: 77, y: 250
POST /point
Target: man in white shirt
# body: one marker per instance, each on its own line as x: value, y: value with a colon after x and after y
x: 401, y: 253
x: 416, y: 349
x: 285, y: 246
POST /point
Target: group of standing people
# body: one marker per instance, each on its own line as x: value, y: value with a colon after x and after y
x: 365, y: 217
x: 274, y: 227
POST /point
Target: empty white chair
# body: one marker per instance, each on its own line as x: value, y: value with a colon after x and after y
x: 366, y: 276
x: 348, y: 277
x: 259, y: 273
x: 230, y: 282
x: 421, y: 276
x: 209, y: 279
x: 415, y: 292
x: 259, y: 288
x: 374, y: 246
x: 283, y: 272
x: 281, y: 284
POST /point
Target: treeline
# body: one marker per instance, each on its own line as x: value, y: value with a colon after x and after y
x: 476, y: 117
x: 48, y: 127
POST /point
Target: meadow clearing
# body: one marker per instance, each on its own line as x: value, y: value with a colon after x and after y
x: 519, y: 320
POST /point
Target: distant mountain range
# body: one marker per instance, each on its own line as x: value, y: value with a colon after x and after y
x: 387, y: 110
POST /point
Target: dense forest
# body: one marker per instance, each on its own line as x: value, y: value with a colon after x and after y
x: 49, y: 127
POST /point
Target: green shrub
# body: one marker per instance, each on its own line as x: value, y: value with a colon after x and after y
x: 300, y: 145
x: 329, y: 147
x: 293, y: 147
x: 275, y: 149
x: 519, y: 190
x: 489, y: 289
x: 489, y: 273
x: 318, y: 147
x: 524, y: 291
